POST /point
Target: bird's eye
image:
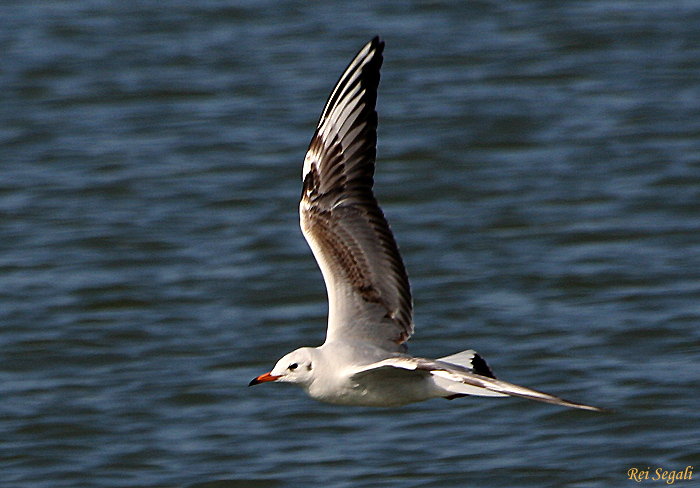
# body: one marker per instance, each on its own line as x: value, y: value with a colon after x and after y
x: 293, y: 366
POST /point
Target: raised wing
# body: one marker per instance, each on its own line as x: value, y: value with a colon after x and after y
x: 369, y: 297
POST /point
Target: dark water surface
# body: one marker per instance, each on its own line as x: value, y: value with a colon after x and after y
x: 539, y: 163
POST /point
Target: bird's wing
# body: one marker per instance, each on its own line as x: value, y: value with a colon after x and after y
x: 459, y: 381
x: 369, y: 297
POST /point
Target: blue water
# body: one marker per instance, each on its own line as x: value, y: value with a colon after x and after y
x: 539, y: 163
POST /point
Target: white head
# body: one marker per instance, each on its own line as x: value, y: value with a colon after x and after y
x: 296, y: 367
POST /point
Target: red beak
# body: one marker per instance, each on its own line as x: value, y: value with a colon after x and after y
x: 263, y: 378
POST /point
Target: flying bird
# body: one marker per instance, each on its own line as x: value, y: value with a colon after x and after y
x: 364, y: 359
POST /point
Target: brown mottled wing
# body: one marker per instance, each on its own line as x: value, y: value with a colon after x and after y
x: 368, y: 291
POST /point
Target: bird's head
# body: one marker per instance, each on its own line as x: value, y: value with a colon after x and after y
x: 296, y: 367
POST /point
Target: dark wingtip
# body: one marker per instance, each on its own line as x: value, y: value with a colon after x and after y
x: 479, y: 366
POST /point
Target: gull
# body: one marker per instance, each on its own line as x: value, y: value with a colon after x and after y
x: 364, y: 359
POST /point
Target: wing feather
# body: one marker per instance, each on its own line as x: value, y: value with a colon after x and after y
x: 459, y: 381
x: 368, y: 290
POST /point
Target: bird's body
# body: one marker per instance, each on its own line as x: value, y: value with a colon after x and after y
x: 364, y: 360
x: 338, y: 385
